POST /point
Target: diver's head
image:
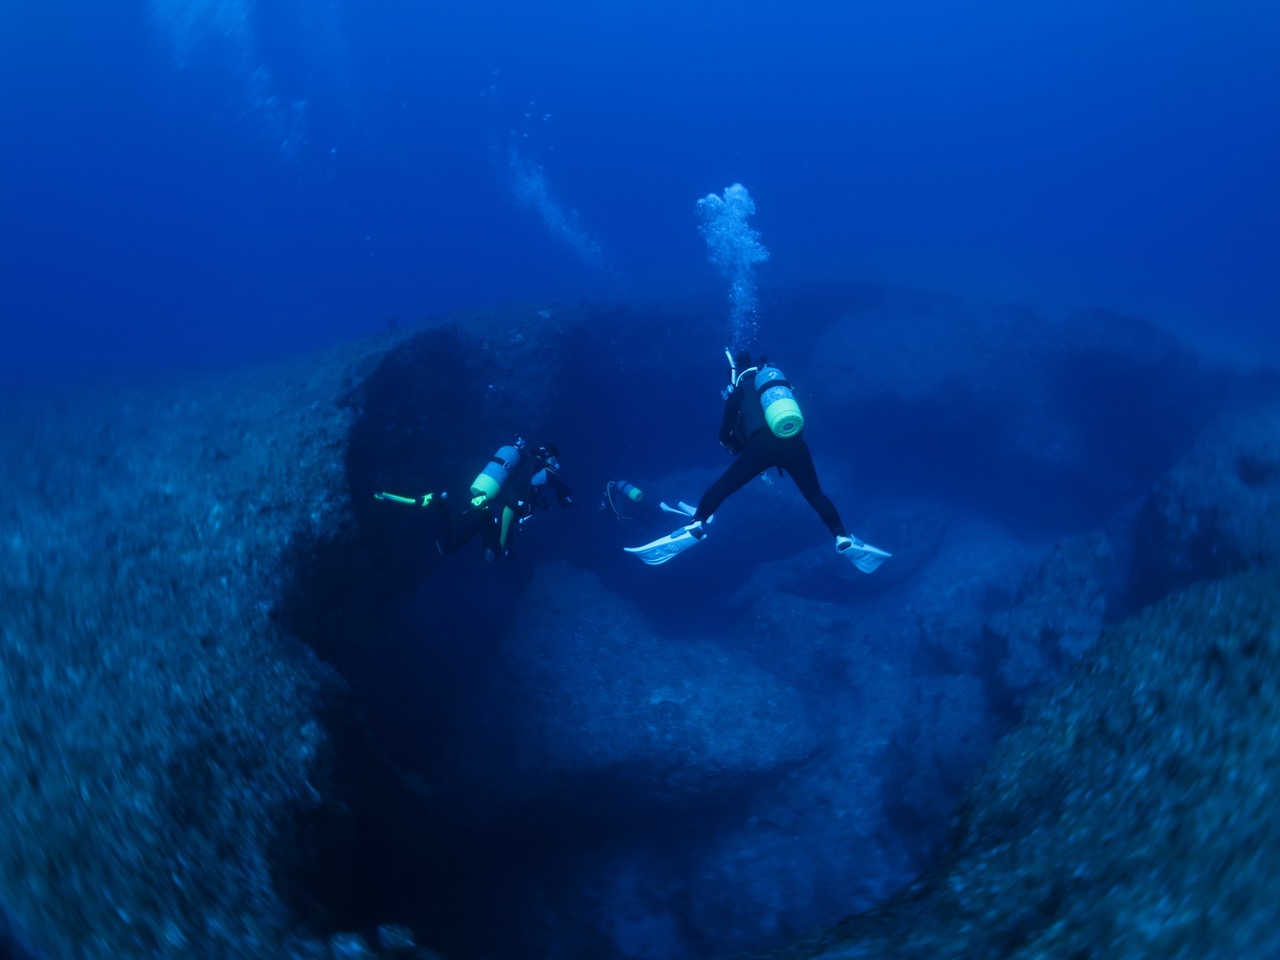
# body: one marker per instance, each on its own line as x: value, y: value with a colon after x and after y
x: 743, y: 360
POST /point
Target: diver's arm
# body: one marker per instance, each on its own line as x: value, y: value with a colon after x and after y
x: 546, y: 477
x: 564, y: 493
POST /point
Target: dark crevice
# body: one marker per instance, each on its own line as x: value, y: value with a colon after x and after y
x: 364, y: 856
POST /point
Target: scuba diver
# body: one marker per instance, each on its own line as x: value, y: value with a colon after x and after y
x: 626, y: 501
x: 507, y: 492
x: 763, y: 427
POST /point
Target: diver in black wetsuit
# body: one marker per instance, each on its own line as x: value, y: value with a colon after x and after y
x: 745, y: 432
x: 509, y: 491
x: 762, y: 426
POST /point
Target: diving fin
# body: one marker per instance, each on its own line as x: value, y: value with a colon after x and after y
x: 674, y: 543
x: 681, y: 509
x: 863, y: 556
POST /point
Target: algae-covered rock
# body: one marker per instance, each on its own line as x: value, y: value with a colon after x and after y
x: 164, y: 733
x: 1057, y: 615
x: 158, y: 727
x: 1217, y: 511
x: 1131, y: 815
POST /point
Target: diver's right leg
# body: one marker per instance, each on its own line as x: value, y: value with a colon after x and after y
x: 748, y: 465
x: 799, y: 463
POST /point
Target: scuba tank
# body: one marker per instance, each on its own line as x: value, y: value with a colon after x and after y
x: 781, y: 412
x: 619, y: 495
x: 496, y: 473
x: 629, y: 490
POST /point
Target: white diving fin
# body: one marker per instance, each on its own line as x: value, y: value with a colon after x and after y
x: 862, y: 555
x: 673, y: 544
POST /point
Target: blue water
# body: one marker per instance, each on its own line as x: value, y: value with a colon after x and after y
x: 195, y: 182
x: 194, y: 185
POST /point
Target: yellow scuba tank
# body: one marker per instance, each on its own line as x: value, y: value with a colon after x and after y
x: 496, y: 473
x: 781, y: 412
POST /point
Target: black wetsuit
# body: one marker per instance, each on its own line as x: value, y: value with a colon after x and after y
x: 520, y: 497
x: 744, y: 431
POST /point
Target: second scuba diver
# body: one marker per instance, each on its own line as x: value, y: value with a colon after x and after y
x: 763, y: 427
x: 506, y: 493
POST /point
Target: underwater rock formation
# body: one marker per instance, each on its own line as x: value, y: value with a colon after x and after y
x: 592, y: 691
x: 163, y: 731
x: 1131, y: 814
x: 1056, y: 616
x: 1010, y: 394
x: 1217, y: 512
x: 200, y: 688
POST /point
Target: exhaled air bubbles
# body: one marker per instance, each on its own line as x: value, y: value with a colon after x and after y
x: 529, y: 185
x: 225, y: 29
x: 735, y: 249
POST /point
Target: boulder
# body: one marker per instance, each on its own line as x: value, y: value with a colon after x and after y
x: 1217, y: 512
x: 592, y: 692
